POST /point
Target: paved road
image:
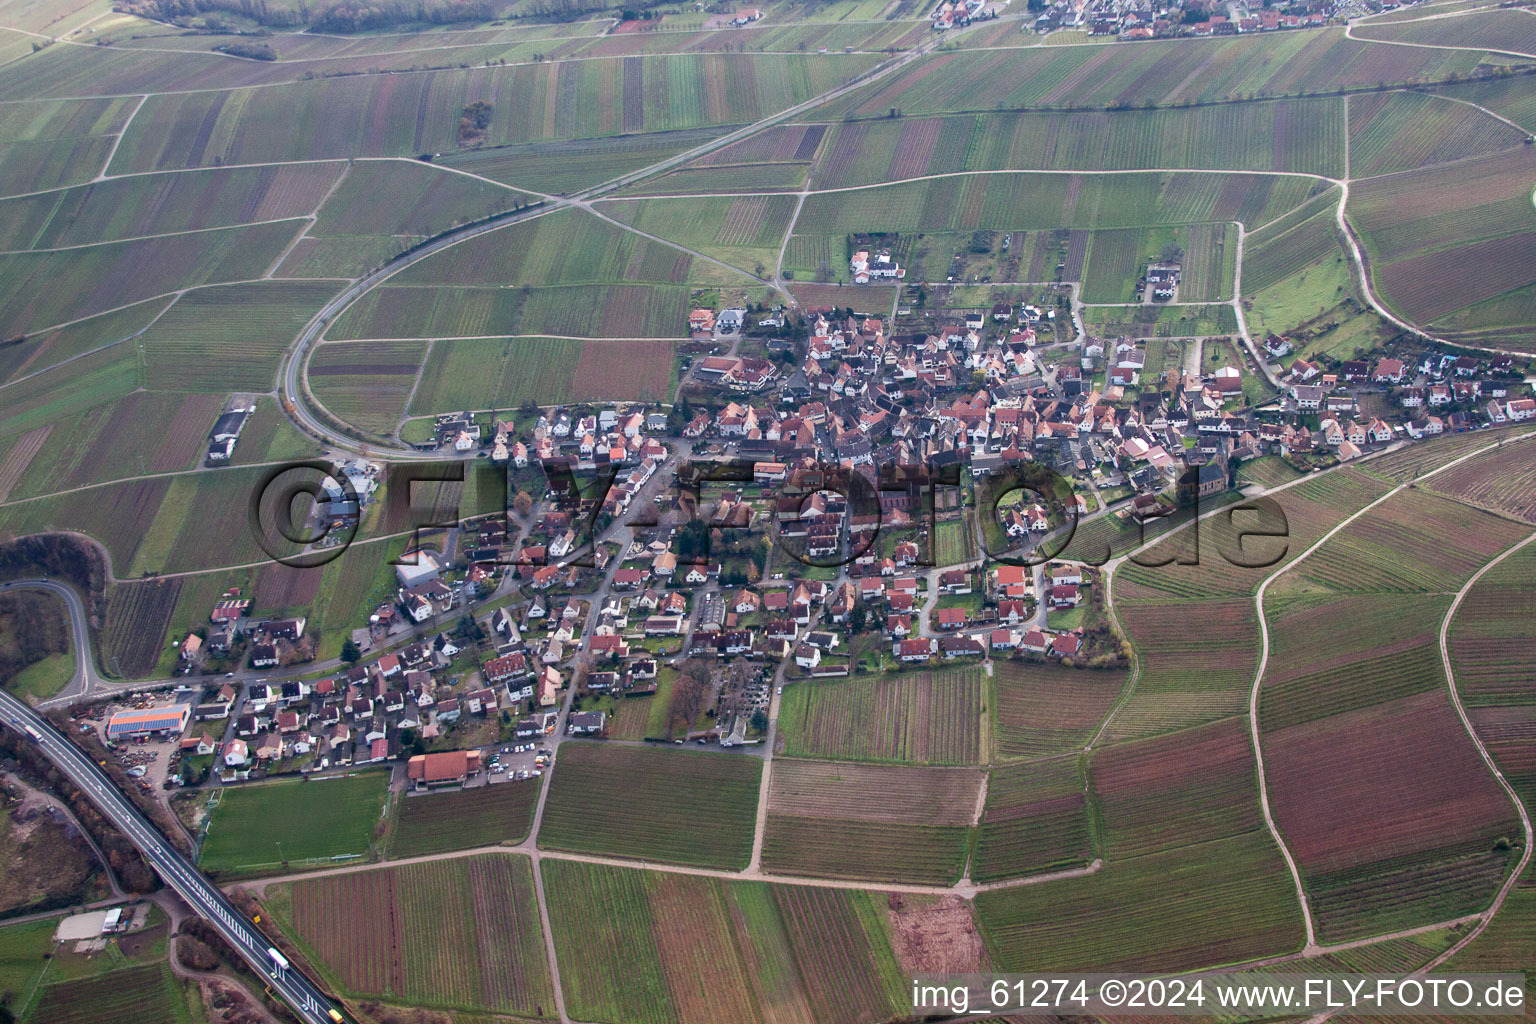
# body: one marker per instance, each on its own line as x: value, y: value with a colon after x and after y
x: 86, y: 678
x: 306, y: 999
x: 291, y: 388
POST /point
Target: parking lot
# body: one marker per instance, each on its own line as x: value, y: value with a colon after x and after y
x: 509, y: 762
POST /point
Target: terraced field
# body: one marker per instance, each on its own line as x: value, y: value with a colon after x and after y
x: 419, y: 113
x: 1509, y: 31
x: 745, y: 231
x: 1502, y: 480
x: 366, y: 383
x: 1416, y: 460
x: 1222, y: 69
x: 1233, y: 136
x: 1368, y: 554
x: 1401, y: 131
x: 44, y: 289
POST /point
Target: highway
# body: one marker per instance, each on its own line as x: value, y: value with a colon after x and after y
x: 201, y: 895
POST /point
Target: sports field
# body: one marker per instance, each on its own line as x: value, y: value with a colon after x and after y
x: 256, y: 829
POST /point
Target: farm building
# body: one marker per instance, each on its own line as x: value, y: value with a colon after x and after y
x: 450, y: 768
x: 225, y: 432
x: 148, y: 722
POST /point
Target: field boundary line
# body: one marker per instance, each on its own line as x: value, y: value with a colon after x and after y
x: 1108, y: 571
x: 1517, y: 147
x: 589, y: 207
x: 1478, y: 106
x: 99, y: 348
x: 447, y: 168
x: 313, y: 216
x: 529, y: 849
x: 421, y: 371
x: 1273, y: 221
x: 1346, y: 137
x: 480, y: 337
x: 1258, y: 677
x: 168, y: 170
x: 106, y: 164
x: 900, y: 59
x: 1435, y: 46
x: 1483, y: 917
x: 1509, y: 790
x: 573, y: 59
x: 789, y: 232
x: 145, y: 238
x: 991, y: 171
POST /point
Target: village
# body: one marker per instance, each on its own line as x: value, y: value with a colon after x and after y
x: 784, y: 521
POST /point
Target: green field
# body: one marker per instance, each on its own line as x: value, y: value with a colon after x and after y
x: 1448, y: 245
x: 562, y: 248
x: 1161, y: 322
x: 127, y: 981
x: 906, y: 823
x: 186, y: 184
x: 953, y: 542
x: 1025, y: 202
x: 1049, y: 709
x: 745, y: 232
x: 57, y: 143
x: 366, y: 383
x: 676, y: 807
x: 1425, y: 813
x: 423, y: 200
x: 312, y: 820
x: 575, y: 311
x: 45, y: 678
x: 484, y: 373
